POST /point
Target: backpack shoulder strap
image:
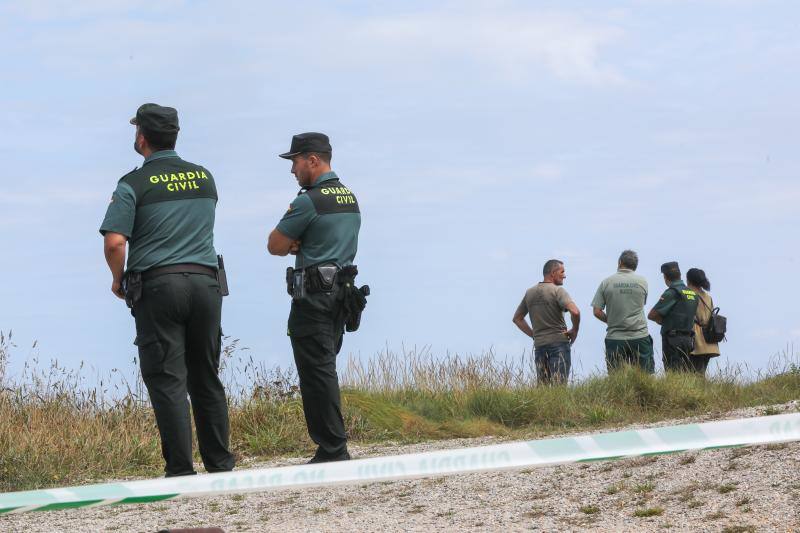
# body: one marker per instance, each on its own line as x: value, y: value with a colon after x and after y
x: 711, y: 307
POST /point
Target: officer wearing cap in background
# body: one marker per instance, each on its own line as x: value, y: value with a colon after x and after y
x: 174, y: 285
x: 675, y: 311
x: 321, y: 227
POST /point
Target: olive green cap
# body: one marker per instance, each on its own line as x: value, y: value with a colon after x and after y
x: 156, y: 118
x: 671, y: 266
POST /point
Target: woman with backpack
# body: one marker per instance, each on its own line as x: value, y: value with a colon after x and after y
x: 704, y: 347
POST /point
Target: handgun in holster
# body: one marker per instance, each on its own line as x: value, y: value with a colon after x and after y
x: 354, y: 298
x: 357, y: 302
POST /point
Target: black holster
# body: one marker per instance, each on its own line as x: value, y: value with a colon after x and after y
x: 132, y: 287
x: 354, y: 299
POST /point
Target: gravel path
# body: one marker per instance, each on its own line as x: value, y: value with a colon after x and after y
x: 735, y: 490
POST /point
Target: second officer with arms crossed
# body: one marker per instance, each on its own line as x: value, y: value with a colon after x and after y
x: 321, y: 227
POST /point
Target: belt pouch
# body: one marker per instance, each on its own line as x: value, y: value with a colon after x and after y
x: 222, y: 277
x: 326, y: 277
x: 298, y: 284
x: 290, y: 280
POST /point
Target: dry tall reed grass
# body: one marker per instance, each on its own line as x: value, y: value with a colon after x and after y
x: 57, y: 427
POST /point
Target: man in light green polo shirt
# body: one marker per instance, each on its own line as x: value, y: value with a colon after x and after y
x: 619, y: 302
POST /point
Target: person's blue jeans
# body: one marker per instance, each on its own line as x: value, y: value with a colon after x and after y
x: 553, y: 362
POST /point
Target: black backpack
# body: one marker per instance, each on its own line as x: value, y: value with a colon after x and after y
x: 714, y: 331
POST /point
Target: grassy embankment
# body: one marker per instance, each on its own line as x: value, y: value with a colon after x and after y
x: 54, y: 430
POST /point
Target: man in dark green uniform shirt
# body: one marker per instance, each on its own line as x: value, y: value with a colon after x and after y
x: 675, y: 311
x: 164, y: 212
x: 321, y: 227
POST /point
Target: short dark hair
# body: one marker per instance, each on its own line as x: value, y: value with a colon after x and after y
x: 629, y: 259
x: 697, y: 277
x: 325, y: 157
x: 551, y: 265
x: 672, y: 274
x: 159, y: 140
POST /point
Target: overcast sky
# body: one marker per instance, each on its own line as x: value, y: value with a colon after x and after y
x: 482, y: 138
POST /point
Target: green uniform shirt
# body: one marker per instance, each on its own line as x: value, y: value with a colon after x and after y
x: 624, y: 295
x: 677, y: 306
x: 326, y: 220
x: 166, y: 209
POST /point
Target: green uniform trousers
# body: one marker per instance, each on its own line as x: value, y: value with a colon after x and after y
x: 676, y: 358
x: 634, y: 352
x: 316, y: 332
x: 179, y: 338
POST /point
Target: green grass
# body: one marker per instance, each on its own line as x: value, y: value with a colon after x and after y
x: 55, y: 429
x: 646, y: 512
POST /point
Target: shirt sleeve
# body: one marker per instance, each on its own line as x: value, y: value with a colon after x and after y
x: 599, y: 300
x: 301, y: 213
x: 522, y: 308
x: 121, y: 211
x: 665, y: 303
x: 563, y: 298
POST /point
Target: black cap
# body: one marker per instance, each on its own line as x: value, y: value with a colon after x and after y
x: 156, y: 118
x: 308, y: 142
x: 672, y: 266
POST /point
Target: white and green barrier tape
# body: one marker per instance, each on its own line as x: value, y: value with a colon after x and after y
x: 596, y: 447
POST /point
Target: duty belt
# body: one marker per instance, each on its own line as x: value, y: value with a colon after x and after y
x: 318, y: 278
x: 188, y: 268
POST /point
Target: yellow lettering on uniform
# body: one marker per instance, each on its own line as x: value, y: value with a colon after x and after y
x: 153, y: 179
x: 182, y: 176
x: 171, y: 187
x: 325, y: 191
x: 163, y: 178
x: 190, y: 175
x: 173, y: 177
x: 203, y: 174
x: 194, y: 185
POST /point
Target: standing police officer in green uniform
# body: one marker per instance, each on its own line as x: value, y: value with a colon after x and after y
x: 321, y: 227
x: 675, y: 311
x: 164, y: 211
